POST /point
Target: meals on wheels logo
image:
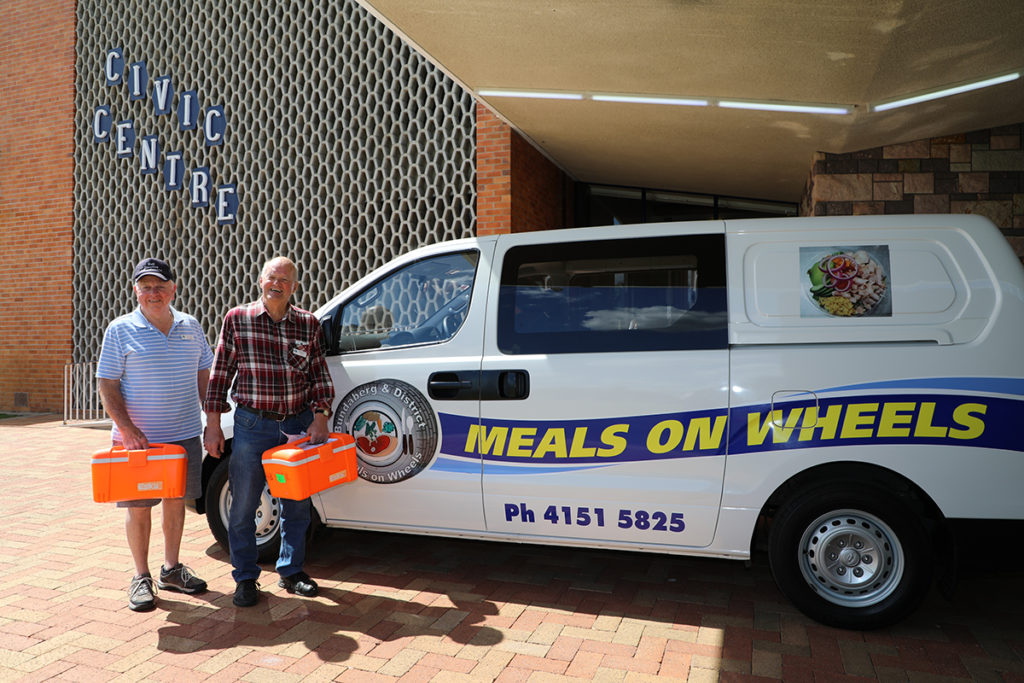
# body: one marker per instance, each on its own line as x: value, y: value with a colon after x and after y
x: 394, y: 427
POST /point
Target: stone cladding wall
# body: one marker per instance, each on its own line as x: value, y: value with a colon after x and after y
x: 980, y: 172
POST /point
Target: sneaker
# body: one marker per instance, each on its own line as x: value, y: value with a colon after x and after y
x: 180, y: 579
x: 299, y: 583
x: 142, y: 594
x: 247, y: 593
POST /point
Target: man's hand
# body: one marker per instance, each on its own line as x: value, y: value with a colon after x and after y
x: 132, y: 438
x: 213, y: 438
x: 318, y: 430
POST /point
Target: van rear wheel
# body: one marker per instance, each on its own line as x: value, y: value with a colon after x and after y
x: 851, y: 557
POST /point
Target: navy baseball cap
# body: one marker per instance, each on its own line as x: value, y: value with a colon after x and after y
x: 155, y: 267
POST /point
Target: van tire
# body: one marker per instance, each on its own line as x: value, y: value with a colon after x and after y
x: 855, y: 557
x: 268, y: 516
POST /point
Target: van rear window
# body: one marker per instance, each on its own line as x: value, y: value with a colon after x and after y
x: 646, y: 294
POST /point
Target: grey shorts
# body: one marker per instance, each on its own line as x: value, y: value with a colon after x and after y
x: 193, y: 474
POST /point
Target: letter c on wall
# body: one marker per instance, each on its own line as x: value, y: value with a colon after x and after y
x: 101, y: 123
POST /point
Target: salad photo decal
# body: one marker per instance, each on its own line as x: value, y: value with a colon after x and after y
x: 846, y: 282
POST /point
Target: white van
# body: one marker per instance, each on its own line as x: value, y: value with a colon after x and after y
x: 843, y: 391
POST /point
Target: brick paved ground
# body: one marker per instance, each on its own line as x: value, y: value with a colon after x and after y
x: 422, y: 609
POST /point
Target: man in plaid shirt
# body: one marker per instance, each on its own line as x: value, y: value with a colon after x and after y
x: 274, y: 352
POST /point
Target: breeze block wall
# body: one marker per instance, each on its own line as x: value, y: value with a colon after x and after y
x: 518, y: 188
x: 338, y: 135
x: 980, y: 172
x: 37, y: 108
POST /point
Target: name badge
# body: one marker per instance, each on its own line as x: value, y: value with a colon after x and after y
x: 299, y: 352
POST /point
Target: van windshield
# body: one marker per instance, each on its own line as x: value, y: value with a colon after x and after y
x: 425, y: 301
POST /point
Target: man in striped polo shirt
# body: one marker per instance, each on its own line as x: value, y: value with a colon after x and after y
x: 274, y: 352
x: 153, y: 371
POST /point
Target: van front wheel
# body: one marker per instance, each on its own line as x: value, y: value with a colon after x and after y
x: 851, y: 558
x: 268, y: 515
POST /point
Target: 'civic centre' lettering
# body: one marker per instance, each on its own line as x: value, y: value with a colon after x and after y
x: 160, y: 90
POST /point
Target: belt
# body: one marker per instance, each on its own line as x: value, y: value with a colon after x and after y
x: 271, y: 415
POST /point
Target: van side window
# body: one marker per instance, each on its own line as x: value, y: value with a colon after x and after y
x: 649, y: 294
x: 425, y: 301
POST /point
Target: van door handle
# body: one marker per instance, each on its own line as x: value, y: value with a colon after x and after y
x: 463, y: 385
x: 504, y: 385
x: 474, y: 385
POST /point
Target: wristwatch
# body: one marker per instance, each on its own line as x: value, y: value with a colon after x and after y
x: 322, y: 411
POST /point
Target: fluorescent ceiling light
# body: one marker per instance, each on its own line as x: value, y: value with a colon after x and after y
x: 535, y: 94
x: 644, y: 99
x: 671, y: 101
x: 947, y: 92
x: 778, y: 106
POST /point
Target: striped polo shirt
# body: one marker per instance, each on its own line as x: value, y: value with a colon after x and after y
x: 157, y: 373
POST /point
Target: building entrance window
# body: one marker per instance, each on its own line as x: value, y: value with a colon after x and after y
x: 616, y: 205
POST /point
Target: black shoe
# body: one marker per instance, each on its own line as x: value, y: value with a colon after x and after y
x: 180, y: 579
x: 299, y: 583
x: 247, y: 593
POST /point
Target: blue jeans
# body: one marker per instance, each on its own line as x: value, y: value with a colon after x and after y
x: 253, y: 435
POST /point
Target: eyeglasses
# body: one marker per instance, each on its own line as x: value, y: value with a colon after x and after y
x: 153, y: 289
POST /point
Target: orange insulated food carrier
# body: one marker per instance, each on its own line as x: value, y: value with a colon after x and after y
x: 298, y: 469
x: 156, y: 472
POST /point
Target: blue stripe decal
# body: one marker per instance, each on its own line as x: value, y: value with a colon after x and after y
x: 939, y: 419
x: 466, y: 465
x: 574, y: 443
x: 457, y: 465
x: 989, y: 385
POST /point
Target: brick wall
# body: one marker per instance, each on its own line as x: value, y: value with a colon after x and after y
x: 493, y: 173
x: 541, y: 192
x: 37, y: 50
x: 518, y: 188
x: 980, y: 172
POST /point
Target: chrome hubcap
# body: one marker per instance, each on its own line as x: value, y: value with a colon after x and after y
x: 268, y: 514
x: 851, y: 558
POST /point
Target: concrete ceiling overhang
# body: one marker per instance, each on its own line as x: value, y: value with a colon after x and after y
x: 856, y: 54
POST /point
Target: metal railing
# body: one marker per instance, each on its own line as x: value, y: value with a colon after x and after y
x: 82, y: 403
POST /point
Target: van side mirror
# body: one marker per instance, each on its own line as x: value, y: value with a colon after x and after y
x: 327, y: 329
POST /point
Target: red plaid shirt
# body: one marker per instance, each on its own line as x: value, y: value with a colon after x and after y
x: 280, y: 366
